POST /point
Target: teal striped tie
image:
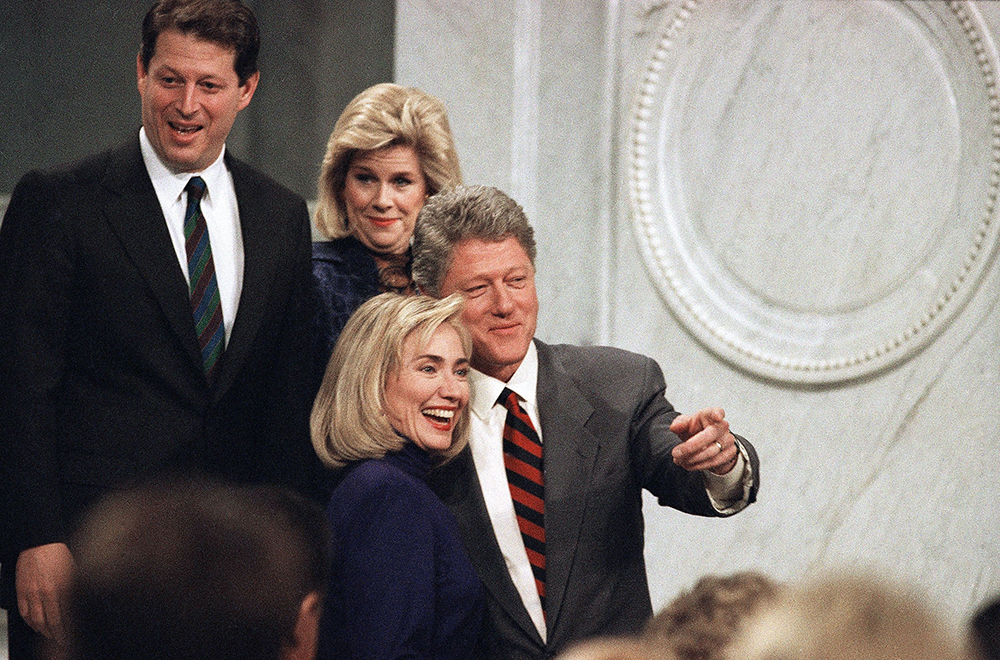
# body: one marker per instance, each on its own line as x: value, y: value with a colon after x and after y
x: 205, y: 302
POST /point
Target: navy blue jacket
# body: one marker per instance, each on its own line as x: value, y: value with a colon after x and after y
x: 402, y: 584
x: 344, y: 276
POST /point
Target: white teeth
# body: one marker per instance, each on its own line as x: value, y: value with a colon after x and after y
x: 439, y: 412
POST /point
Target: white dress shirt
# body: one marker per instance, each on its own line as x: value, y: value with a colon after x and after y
x: 727, y: 493
x: 486, y: 443
x: 222, y: 217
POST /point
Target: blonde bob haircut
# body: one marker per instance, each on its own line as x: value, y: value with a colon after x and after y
x: 385, y: 115
x: 348, y: 421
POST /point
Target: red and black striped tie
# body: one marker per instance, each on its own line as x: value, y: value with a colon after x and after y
x: 205, y: 302
x: 522, y: 456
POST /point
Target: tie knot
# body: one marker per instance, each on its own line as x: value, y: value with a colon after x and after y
x: 195, y: 188
x: 505, y: 398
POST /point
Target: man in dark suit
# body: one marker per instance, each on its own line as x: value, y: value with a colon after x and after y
x: 558, y: 539
x: 151, y: 310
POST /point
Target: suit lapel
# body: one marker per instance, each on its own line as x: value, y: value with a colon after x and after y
x: 134, y: 214
x: 570, y: 451
x: 260, y: 250
x: 458, y: 485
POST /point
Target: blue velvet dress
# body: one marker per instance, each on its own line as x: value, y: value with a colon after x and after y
x: 344, y: 276
x: 402, y: 584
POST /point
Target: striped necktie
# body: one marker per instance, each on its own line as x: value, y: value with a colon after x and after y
x: 205, y: 303
x: 522, y: 456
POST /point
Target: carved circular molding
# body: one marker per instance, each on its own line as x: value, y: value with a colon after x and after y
x: 813, y: 184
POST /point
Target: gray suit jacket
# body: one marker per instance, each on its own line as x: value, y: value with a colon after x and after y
x: 605, y: 427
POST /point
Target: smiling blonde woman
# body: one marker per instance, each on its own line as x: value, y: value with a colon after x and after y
x: 390, y: 149
x: 393, y: 405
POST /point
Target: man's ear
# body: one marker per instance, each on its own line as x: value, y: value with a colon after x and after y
x: 306, y: 629
x: 140, y: 71
x: 247, y: 89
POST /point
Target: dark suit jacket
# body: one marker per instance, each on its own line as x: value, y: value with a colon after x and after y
x: 605, y: 429
x: 102, y: 382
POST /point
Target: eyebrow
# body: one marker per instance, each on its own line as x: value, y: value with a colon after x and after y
x: 438, y: 359
x: 412, y: 173
x: 167, y: 69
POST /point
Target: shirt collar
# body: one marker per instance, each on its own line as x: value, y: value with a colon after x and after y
x: 485, y: 390
x: 173, y: 183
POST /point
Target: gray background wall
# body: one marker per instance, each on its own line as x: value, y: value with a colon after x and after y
x: 68, y: 81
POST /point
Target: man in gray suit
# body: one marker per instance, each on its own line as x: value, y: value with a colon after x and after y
x: 558, y: 539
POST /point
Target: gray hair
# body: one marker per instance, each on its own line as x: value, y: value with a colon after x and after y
x: 459, y: 214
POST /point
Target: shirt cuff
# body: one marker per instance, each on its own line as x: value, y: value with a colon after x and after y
x: 729, y: 493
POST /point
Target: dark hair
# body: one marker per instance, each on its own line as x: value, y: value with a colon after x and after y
x: 196, y: 569
x: 461, y: 213
x: 228, y: 23
x: 985, y: 630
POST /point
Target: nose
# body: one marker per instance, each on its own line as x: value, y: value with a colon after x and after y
x: 189, y: 102
x: 503, y: 301
x: 453, y: 389
x: 383, y: 198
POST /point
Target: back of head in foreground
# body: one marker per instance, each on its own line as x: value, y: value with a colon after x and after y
x: 700, y: 623
x: 201, y: 571
x: 984, y: 631
x: 846, y: 617
x: 616, y: 648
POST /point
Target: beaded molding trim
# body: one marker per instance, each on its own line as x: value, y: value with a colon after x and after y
x: 716, y: 329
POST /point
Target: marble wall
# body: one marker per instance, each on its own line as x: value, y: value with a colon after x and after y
x: 791, y: 207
